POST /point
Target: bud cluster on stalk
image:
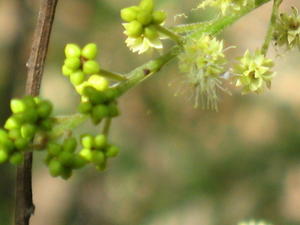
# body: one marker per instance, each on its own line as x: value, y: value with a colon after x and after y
x: 31, y: 116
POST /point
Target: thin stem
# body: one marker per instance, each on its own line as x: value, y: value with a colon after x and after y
x: 175, y: 37
x: 112, y: 75
x: 107, y: 124
x: 269, y: 35
x: 24, y: 205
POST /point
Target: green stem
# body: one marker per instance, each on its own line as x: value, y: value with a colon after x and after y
x: 112, y: 75
x: 187, y: 28
x: 107, y: 124
x: 63, y: 123
x: 175, y: 37
x: 141, y: 73
x: 269, y: 35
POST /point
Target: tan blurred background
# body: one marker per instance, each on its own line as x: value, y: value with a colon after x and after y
x: 178, y: 165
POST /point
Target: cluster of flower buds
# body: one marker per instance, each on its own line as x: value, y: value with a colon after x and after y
x: 97, y: 150
x: 31, y: 115
x: 253, y: 73
x: 62, y: 159
x: 98, y: 99
x: 141, y: 26
x: 287, y: 30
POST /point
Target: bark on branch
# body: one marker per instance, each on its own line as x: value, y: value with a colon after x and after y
x: 24, y: 207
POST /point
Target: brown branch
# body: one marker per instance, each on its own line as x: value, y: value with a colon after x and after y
x: 24, y: 204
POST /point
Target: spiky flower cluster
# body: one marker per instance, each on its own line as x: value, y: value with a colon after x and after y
x: 203, y: 61
x: 141, y: 26
x: 253, y: 222
x: 227, y: 6
x: 97, y: 150
x: 253, y: 73
x: 30, y: 116
x: 98, y: 99
x: 287, y: 30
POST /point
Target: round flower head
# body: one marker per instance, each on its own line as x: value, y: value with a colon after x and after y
x: 227, y: 6
x: 287, y: 30
x: 204, y: 62
x: 253, y: 72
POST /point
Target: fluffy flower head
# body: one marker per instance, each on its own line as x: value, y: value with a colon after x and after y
x: 203, y: 61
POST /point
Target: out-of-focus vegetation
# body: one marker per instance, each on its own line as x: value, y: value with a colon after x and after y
x: 178, y: 165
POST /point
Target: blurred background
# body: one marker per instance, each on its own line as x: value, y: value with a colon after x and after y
x: 178, y: 165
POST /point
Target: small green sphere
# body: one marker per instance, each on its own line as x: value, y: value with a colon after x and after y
x: 111, y: 94
x: 16, y: 158
x: 112, y: 151
x: 159, y: 17
x: 77, y: 77
x: 29, y: 101
x: 91, y: 67
x: 98, y: 157
x: 144, y: 18
x: 3, y: 156
x: 28, y: 130
x: 95, y: 97
x: 73, y: 63
x: 21, y: 143
x: 86, y: 154
x: 65, y: 158
x: 44, y: 109
x: 129, y: 14
x: 3, y: 135
x: 134, y: 29
x: 100, y: 83
x: 47, y: 124
x: 14, y: 133
x: 12, y: 123
x: 85, y: 107
x: 55, y: 167
x: 147, y: 5
x: 100, y: 141
x: 151, y: 33
x: 29, y: 116
x: 66, y: 173
x: 66, y: 70
x: 78, y: 162
x: 70, y: 144
x: 100, y: 111
x: 72, y: 50
x: 87, y: 141
x: 90, y: 51
x: 17, y: 105
x: 54, y: 149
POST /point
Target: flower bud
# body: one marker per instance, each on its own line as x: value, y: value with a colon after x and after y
x: 144, y: 17
x: 91, y: 67
x: 159, y: 17
x: 89, y: 51
x: 100, y: 83
x: 134, y: 29
x: 129, y: 14
x: 17, y: 105
x: 77, y: 77
x: 72, y: 50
